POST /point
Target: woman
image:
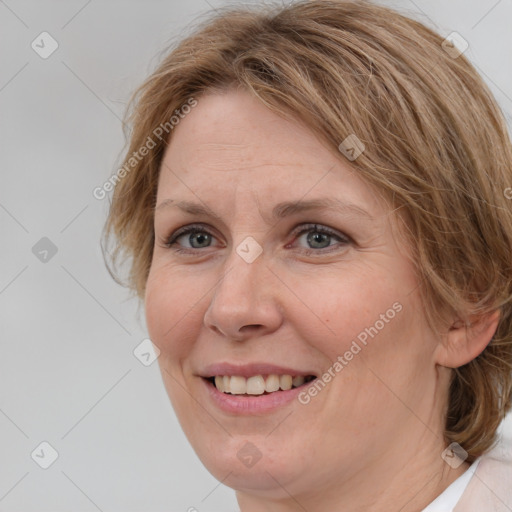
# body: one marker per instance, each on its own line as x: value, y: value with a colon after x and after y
x: 314, y: 208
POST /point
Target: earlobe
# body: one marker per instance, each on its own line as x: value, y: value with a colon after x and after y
x: 465, y: 341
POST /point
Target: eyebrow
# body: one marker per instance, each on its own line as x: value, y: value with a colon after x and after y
x: 280, y: 211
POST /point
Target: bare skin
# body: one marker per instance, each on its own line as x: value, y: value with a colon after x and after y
x: 373, y: 438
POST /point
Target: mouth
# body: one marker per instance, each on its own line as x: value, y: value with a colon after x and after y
x: 258, y: 385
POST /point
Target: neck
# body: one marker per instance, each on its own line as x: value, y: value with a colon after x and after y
x: 405, y: 479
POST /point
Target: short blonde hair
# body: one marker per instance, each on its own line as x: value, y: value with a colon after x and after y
x: 437, y: 146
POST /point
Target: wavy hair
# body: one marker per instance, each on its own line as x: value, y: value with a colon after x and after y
x: 437, y: 146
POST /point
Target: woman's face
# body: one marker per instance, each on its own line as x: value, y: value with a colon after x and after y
x: 292, y: 263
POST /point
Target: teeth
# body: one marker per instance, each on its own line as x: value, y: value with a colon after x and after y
x: 272, y: 383
x: 238, y: 385
x: 285, y: 382
x: 298, y: 381
x: 257, y: 384
x: 226, y: 384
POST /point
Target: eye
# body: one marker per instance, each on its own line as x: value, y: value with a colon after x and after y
x: 314, y: 238
x: 189, y: 238
x: 311, y: 238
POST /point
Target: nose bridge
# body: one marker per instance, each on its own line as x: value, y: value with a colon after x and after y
x: 244, y: 296
x: 242, y: 284
x: 245, y: 268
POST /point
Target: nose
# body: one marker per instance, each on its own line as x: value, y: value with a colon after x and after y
x: 244, y: 303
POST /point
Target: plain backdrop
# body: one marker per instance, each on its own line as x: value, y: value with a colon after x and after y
x: 68, y: 373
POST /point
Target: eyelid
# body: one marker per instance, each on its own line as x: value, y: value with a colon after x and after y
x: 343, y: 239
x: 342, y: 243
x: 299, y: 230
x: 187, y: 230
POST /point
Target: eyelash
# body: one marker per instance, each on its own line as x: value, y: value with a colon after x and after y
x: 170, y: 242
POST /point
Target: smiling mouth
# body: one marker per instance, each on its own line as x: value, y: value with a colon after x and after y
x: 257, y: 385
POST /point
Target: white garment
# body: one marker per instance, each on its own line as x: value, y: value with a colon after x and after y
x: 485, y: 487
x: 446, y: 501
x: 490, y: 488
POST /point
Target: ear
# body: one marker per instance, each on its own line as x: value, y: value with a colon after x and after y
x: 465, y: 341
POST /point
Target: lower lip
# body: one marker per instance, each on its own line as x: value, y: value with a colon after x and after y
x: 239, y: 404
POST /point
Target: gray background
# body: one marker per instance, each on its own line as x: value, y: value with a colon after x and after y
x: 68, y: 374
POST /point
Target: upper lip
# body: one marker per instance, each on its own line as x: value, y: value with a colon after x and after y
x: 248, y: 370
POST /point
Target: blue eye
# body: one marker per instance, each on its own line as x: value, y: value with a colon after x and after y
x: 312, y: 237
x: 194, y: 237
x: 320, y: 237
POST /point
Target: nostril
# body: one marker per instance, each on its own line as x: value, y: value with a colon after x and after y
x: 251, y: 327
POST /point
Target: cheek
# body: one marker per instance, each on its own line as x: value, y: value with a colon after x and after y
x: 172, y: 307
x: 369, y: 314
x: 333, y: 309
x: 173, y: 320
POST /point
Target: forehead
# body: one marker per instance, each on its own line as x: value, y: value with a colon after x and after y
x: 231, y: 144
x: 232, y: 130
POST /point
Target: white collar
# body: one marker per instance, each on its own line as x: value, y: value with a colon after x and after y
x: 447, y: 500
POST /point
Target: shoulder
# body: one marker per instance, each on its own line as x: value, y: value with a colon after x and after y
x: 490, y: 487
